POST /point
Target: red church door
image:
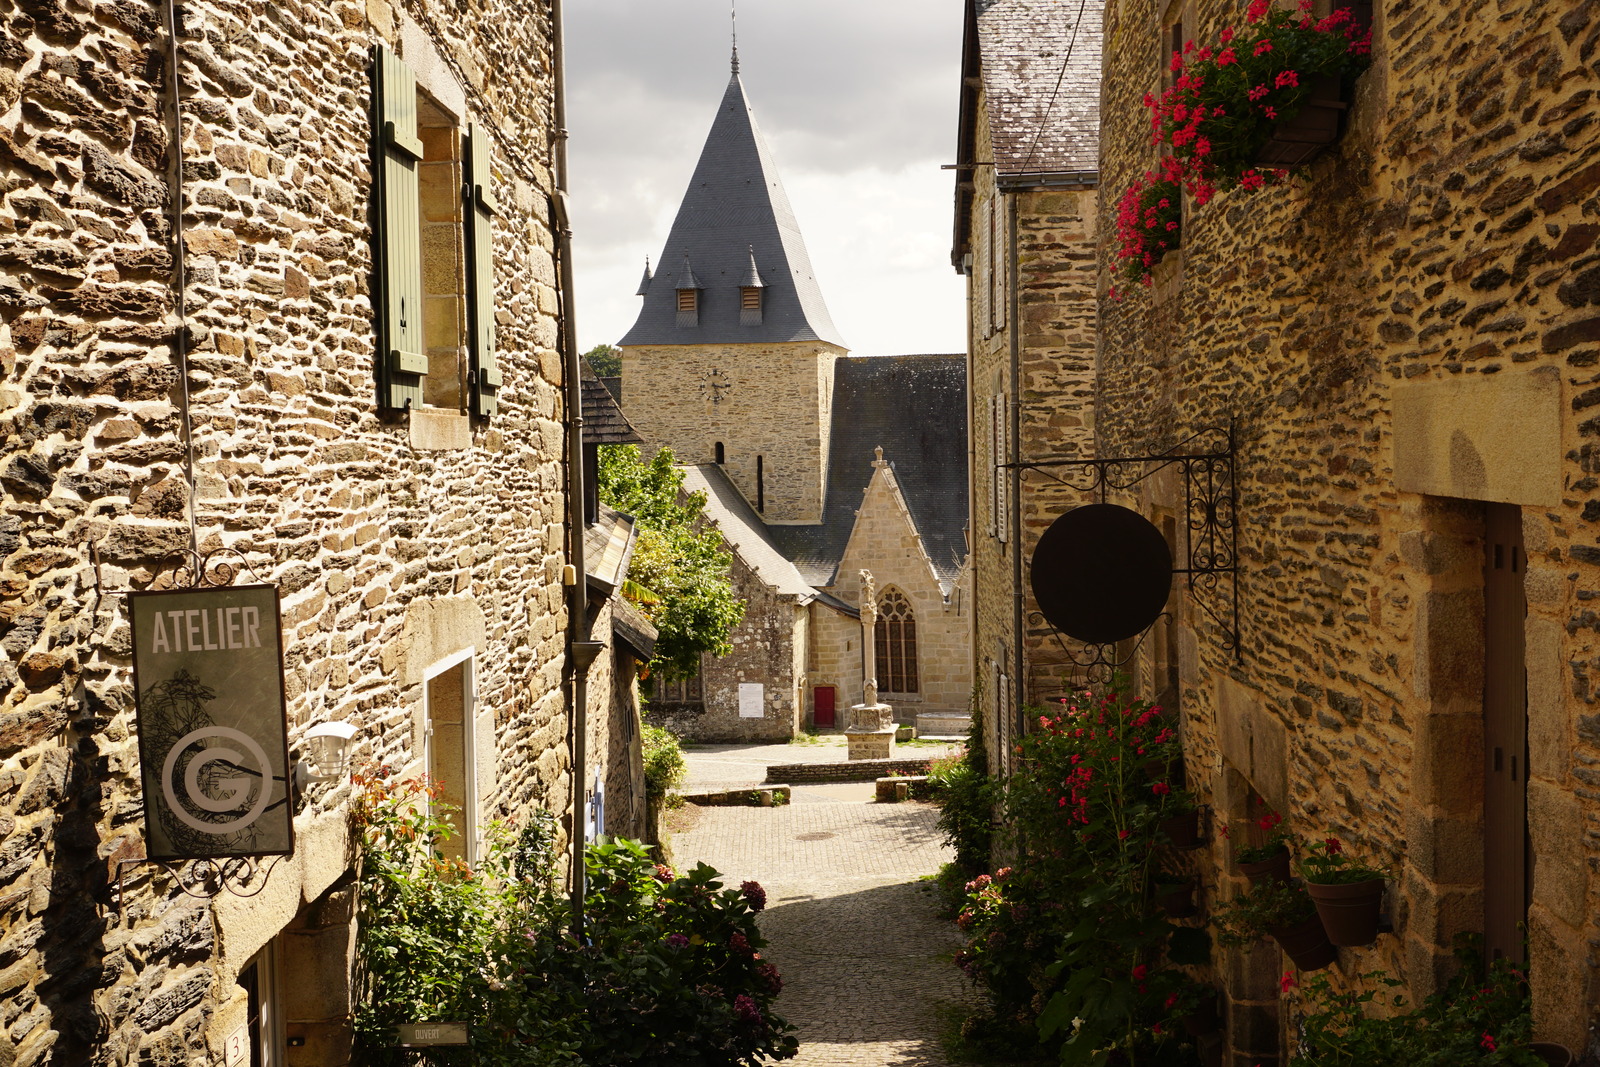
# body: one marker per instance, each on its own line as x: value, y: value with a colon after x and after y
x: 822, y: 701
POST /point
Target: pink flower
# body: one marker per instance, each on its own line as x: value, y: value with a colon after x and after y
x: 1270, y: 112
x: 1161, y: 789
x: 1333, y: 846
x: 1487, y: 1041
x: 1258, y: 10
x: 1141, y: 972
x: 1226, y: 35
x: 1256, y: 92
x: 1226, y: 58
x: 1287, y: 78
x: 1122, y: 835
x: 1287, y: 982
x: 1262, y: 48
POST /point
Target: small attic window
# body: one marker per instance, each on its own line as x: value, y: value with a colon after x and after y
x: 687, y: 299
x: 750, y: 298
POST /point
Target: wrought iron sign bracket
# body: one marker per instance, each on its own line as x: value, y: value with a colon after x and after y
x: 205, y: 879
x: 1211, y: 556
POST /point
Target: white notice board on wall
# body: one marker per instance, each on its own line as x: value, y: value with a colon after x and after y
x: 752, y: 700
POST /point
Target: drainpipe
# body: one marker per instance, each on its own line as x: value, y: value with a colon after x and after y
x: 1015, y: 474
x: 581, y: 651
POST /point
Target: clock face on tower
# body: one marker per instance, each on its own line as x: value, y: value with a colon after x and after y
x: 714, y: 384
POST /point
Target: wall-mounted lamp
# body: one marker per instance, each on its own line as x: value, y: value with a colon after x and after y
x: 327, y: 748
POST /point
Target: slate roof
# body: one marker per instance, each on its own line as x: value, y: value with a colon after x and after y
x: 915, y: 407
x: 603, y: 421
x: 743, y: 529
x: 1022, y: 45
x: 735, y: 207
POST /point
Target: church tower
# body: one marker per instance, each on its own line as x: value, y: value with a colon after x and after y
x: 731, y: 360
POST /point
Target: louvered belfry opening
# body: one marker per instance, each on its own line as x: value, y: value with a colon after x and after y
x: 687, y: 300
x: 895, y: 638
x: 750, y: 298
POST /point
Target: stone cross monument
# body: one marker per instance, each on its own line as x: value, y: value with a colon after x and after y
x: 872, y: 728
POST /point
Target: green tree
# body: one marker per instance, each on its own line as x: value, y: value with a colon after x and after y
x: 605, y: 360
x: 679, y: 571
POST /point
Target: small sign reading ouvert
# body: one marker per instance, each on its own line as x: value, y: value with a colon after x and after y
x: 425, y: 1035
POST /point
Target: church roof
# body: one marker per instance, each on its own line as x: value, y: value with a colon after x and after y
x: 603, y: 421
x: 915, y: 408
x: 735, y: 209
x: 744, y: 531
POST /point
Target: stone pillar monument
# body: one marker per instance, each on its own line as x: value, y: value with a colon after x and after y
x: 870, y: 734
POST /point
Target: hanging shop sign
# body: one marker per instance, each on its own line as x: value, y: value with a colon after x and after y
x: 213, y: 728
x: 1102, y: 573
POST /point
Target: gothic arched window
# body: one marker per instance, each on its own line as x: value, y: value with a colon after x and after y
x: 896, y: 641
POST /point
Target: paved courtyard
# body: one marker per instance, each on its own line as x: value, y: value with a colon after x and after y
x: 865, y: 962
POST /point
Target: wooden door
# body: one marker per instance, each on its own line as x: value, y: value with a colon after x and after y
x: 1505, y: 724
x: 823, y: 703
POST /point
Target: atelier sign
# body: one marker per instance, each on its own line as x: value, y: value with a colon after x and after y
x: 213, y: 729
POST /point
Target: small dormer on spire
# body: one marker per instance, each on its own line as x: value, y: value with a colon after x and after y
x: 750, y: 297
x: 644, y: 282
x: 688, y: 288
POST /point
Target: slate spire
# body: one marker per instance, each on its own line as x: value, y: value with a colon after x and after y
x: 735, y: 211
x: 644, y: 283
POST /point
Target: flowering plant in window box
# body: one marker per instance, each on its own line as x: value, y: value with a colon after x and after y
x: 1149, y: 221
x: 1231, y: 99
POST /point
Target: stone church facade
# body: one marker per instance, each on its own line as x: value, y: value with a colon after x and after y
x: 735, y: 364
x: 283, y: 334
x: 1404, y: 340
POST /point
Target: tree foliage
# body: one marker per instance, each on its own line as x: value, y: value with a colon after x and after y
x: 679, y: 569
x: 605, y: 360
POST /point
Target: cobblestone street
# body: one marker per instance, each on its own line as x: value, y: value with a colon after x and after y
x: 865, y: 962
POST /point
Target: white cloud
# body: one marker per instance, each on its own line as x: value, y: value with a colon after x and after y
x: 857, y: 101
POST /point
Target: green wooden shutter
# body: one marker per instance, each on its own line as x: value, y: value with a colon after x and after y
x: 481, y: 208
x: 397, y: 233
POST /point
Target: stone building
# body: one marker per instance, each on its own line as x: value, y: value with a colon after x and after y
x: 1027, y: 184
x: 286, y: 335
x: 735, y: 364
x: 1404, y: 340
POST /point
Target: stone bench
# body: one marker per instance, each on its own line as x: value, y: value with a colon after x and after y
x: 943, y: 725
x: 763, y: 796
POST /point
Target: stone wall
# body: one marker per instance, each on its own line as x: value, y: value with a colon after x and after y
x: 1048, y: 269
x: 767, y: 645
x: 1402, y: 336
x: 362, y: 519
x: 774, y: 401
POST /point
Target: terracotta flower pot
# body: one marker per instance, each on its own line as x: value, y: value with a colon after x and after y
x: 1301, y: 137
x: 1552, y: 1053
x: 1306, y: 944
x: 1183, y: 831
x: 1273, y: 869
x: 1349, y: 911
x: 1177, y: 900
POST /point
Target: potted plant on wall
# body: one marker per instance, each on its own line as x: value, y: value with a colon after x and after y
x: 1266, y: 858
x: 1149, y: 222
x: 1282, y: 911
x: 1348, y: 894
x: 1265, y: 96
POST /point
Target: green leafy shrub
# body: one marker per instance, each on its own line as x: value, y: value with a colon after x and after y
x: 678, y: 573
x: 1069, y: 944
x: 1483, y: 1016
x: 664, y: 766
x: 965, y: 796
x: 668, y: 972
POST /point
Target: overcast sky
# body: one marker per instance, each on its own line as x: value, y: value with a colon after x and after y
x: 857, y: 101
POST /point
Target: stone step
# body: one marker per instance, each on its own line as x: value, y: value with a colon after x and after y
x: 943, y: 725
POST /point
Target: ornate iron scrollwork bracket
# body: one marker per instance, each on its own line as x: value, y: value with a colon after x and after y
x: 1211, y: 543
x: 207, y: 879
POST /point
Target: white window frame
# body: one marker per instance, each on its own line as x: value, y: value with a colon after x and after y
x: 469, y: 829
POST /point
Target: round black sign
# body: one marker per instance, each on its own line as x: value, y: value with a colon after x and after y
x: 1101, y: 573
